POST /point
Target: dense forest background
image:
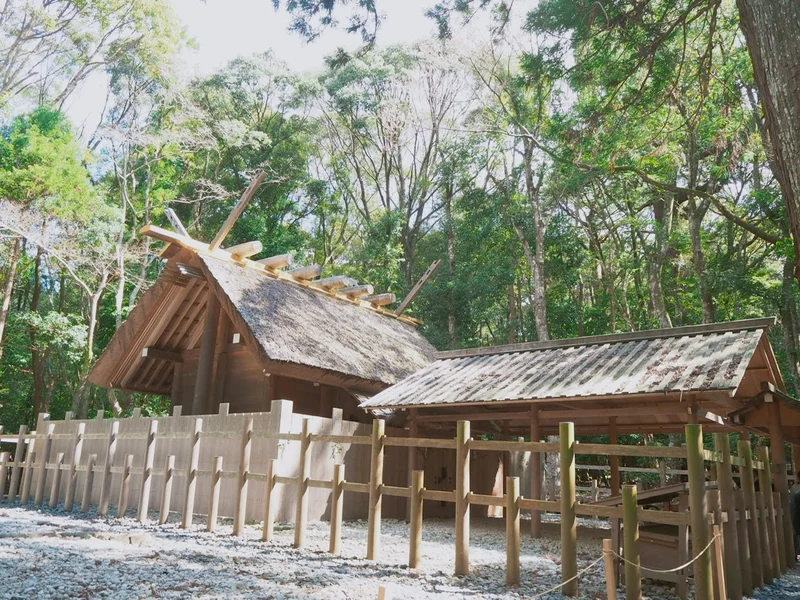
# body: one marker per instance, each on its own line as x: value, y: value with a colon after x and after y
x: 588, y: 168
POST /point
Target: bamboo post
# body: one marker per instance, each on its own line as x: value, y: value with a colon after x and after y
x: 303, y: 473
x: 269, y: 516
x: 415, y: 521
x: 72, y: 477
x: 147, y: 472
x: 753, y: 525
x: 27, y: 477
x: 512, y: 530
x: 777, y: 546
x: 16, y: 472
x: 462, y: 498
x: 699, y: 511
x: 191, y: 475
x: 536, y: 472
x: 608, y: 561
x: 244, y: 472
x: 5, y: 459
x: 125, y: 487
x: 56, y: 485
x: 569, y: 531
x: 105, y: 486
x: 743, y: 543
x: 86, y: 501
x: 166, y: 489
x: 42, y: 470
x: 728, y: 502
x: 375, y: 490
x: 632, y: 554
x: 216, y: 484
x: 337, y: 495
x: 721, y: 579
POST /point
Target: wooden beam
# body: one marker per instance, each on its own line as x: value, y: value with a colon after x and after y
x: 159, y: 354
x: 418, y: 286
x: 277, y: 262
x: 237, y: 211
x: 381, y: 299
x: 357, y: 291
x: 205, y: 371
x: 308, y: 272
x: 245, y: 250
x: 176, y: 222
x: 334, y: 283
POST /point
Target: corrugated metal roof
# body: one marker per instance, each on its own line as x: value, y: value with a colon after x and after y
x: 682, y: 359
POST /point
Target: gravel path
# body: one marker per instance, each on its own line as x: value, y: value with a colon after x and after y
x: 48, y: 554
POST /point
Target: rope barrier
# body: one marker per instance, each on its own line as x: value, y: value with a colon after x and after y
x: 563, y: 583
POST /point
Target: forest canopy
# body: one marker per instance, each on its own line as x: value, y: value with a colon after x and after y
x: 579, y: 172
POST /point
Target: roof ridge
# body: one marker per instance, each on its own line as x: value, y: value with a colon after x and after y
x: 649, y: 334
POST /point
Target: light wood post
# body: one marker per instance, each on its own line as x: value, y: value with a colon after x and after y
x: 753, y: 524
x: 16, y: 472
x: 462, y: 498
x: 780, y: 475
x: 682, y: 586
x: 5, y: 459
x: 743, y: 544
x: 633, y: 558
x: 768, y: 558
x: 337, y: 495
x: 774, y: 524
x: 375, y: 490
x: 722, y: 593
x: 86, y: 501
x: 105, y: 486
x: 512, y: 531
x: 191, y: 475
x: 269, y: 515
x: 303, y: 473
x: 72, y: 477
x: 205, y: 365
x: 54, y: 489
x: 415, y: 522
x: 712, y: 497
x: 166, y: 489
x: 125, y: 487
x: 147, y: 472
x: 413, y: 432
x: 728, y: 501
x: 536, y: 472
x: 216, y: 484
x: 244, y: 472
x: 27, y: 477
x: 615, y: 482
x: 699, y: 512
x: 569, y: 531
x: 43, y: 458
x: 611, y: 578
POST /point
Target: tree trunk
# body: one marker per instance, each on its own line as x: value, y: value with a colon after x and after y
x: 37, y: 361
x: 451, y: 264
x: 696, y: 214
x: 772, y: 34
x: 536, y: 264
x: 788, y: 310
x: 8, y: 289
x: 512, y: 315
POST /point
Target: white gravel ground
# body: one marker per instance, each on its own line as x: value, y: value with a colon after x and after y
x: 49, y: 554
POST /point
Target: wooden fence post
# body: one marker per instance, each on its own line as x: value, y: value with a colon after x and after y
x: 611, y: 578
x: 125, y: 487
x: 337, y: 493
x: 767, y: 558
x: 191, y: 475
x: 777, y: 546
x: 375, y: 490
x: 462, y: 497
x: 721, y: 579
x: 86, y: 501
x: 780, y: 472
x: 269, y: 515
x: 166, y: 489
x: 244, y: 471
x: 682, y: 586
x: 728, y: 502
x: 569, y: 531
x: 27, y: 476
x: 632, y: 554
x: 699, y: 512
x: 536, y: 472
x: 105, y: 486
x: 147, y: 472
x: 415, y: 520
x: 44, y: 457
x: 56, y: 485
x: 72, y: 477
x: 743, y: 544
x: 5, y: 459
x: 753, y: 525
x: 216, y: 484
x: 16, y: 472
x: 512, y: 531
x: 303, y: 473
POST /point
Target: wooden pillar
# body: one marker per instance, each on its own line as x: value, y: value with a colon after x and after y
x: 220, y: 369
x: 611, y: 578
x: 56, y: 479
x: 719, y: 561
x: 569, y: 531
x: 205, y: 365
x: 633, y: 559
x: 728, y: 501
x: 147, y: 472
x: 72, y: 477
x: 699, y: 512
x: 781, y: 478
x: 682, y: 585
x: 767, y: 558
x: 536, y: 471
x: 462, y: 498
x: 337, y: 496
x: 415, y: 520
x: 27, y: 475
x: 191, y: 475
x: 5, y: 461
x: 177, y: 385
x: 47, y: 444
x: 773, y: 518
x: 213, y: 501
x: 375, y: 490
x: 16, y: 471
x: 105, y: 486
x: 613, y: 461
x: 240, y: 512
x: 303, y: 473
x: 743, y: 543
x: 125, y: 487
x: 512, y: 531
x: 413, y: 432
x: 753, y: 526
x: 166, y: 489
x: 269, y: 515
x: 86, y: 501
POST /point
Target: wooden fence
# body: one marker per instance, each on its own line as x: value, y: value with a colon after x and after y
x: 756, y: 524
